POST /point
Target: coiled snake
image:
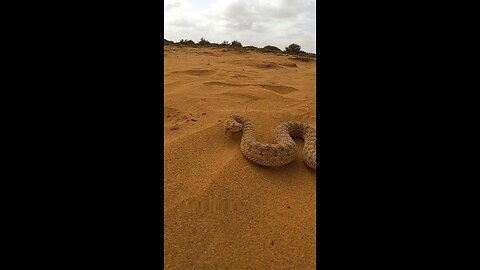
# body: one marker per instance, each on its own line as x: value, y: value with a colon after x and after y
x: 280, y: 153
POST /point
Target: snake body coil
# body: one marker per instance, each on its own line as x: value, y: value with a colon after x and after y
x: 283, y: 151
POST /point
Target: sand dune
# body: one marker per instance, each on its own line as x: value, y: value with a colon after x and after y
x: 221, y: 210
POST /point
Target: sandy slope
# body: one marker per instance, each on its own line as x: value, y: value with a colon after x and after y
x: 221, y: 210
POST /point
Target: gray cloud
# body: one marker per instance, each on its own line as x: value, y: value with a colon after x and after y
x: 255, y: 22
x: 182, y: 22
x: 171, y: 5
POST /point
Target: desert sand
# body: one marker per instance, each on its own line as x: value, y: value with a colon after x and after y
x: 221, y: 210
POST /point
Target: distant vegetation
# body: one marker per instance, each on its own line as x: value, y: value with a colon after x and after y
x: 186, y: 42
x: 271, y: 48
x: 203, y: 42
x: 292, y: 49
x: 236, y: 44
x: 165, y: 42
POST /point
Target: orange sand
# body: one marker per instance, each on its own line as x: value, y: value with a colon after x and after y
x: 221, y: 210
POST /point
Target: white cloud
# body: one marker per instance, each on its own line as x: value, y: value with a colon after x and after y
x: 254, y: 22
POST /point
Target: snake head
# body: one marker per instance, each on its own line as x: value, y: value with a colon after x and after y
x: 232, y: 125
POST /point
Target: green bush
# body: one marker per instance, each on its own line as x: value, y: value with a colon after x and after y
x: 187, y: 42
x: 293, y: 49
x: 271, y: 48
x: 236, y: 44
x: 203, y: 42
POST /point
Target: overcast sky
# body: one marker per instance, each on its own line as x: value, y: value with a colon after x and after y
x: 252, y: 22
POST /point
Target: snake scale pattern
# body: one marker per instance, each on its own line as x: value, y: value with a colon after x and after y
x: 280, y: 153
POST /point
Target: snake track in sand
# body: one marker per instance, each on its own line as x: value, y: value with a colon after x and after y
x: 280, y: 153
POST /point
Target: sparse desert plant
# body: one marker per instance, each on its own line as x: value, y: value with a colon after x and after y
x: 236, y: 44
x: 203, y: 42
x: 186, y: 42
x: 307, y: 54
x: 165, y: 41
x: 225, y: 43
x: 271, y: 48
x: 293, y: 49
